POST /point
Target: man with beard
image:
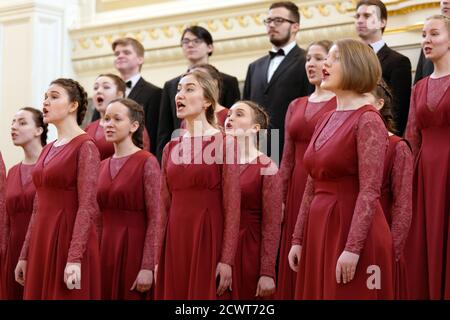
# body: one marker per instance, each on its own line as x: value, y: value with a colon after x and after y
x: 424, y: 66
x: 370, y: 22
x: 276, y: 79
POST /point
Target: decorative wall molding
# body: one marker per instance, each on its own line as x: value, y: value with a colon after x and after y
x: 237, y: 29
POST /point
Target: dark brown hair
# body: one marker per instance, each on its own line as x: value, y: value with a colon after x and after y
x: 120, y: 84
x: 38, y: 119
x: 290, y: 6
x: 200, y: 33
x: 382, y: 91
x: 76, y: 94
x: 379, y: 4
x: 135, y: 113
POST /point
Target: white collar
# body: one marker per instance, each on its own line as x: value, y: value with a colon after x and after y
x: 287, y: 48
x: 134, y: 79
x: 378, y: 45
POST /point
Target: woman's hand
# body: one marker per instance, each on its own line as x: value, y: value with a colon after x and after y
x: 223, y: 270
x: 144, y: 281
x: 20, y: 272
x: 346, y: 267
x: 72, y: 275
x: 265, y: 287
x: 294, y: 257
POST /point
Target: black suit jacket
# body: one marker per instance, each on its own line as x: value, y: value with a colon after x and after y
x: 149, y: 97
x: 397, y: 75
x: 168, y: 120
x: 287, y: 83
x: 424, y: 68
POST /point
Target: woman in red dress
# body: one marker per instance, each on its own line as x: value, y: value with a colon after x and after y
x: 220, y: 111
x: 28, y: 131
x: 301, y: 119
x: 200, y: 199
x: 60, y: 255
x: 259, y: 233
x: 427, y: 250
x: 129, y: 207
x: 107, y: 87
x: 396, y: 189
x: 342, y: 245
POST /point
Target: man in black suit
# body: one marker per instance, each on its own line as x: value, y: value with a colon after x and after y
x: 128, y: 60
x: 276, y: 79
x: 197, y: 46
x: 424, y: 66
x: 370, y: 22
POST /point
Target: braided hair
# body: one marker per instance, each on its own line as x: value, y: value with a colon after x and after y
x: 76, y: 94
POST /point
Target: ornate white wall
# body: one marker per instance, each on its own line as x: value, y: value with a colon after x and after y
x: 236, y: 26
x: 44, y: 39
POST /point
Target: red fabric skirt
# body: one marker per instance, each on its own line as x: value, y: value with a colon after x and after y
x: 49, y: 246
x: 325, y: 238
x: 122, y: 245
x: 192, y: 246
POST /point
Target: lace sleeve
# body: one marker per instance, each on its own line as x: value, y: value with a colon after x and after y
x: 231, y: 200
x: 152, y: 183
x: 372, y: 140
x: 271, y: 223
x: 165, y: 200
x: 412, y: 133
x: 288, y: 159
x: 26, y: 242
x: 308, y: 195
x: 402, y: 176
x: 88, y: 214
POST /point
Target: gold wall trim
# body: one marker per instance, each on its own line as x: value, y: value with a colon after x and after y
x: 394, y: 7
x: 111, y: 5
x: 412, y: 27
x: 237, y: 30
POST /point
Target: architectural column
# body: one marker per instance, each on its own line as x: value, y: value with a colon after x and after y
x: 34, y: 50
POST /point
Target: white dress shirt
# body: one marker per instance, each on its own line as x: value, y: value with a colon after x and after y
x: 134, y: 79
x: 377, y: 45
x: 276, y: 61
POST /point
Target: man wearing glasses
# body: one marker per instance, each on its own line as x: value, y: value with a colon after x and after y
x: 197, y: 45
x: 276, y: 79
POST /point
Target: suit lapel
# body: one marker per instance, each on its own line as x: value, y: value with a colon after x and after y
x: 383, y: 53
x: 265, y: 69
x: 136, y: 89
x: 284, y: 65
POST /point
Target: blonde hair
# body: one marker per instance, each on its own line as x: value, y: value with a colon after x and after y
x: 442, y: 18
x: 210, y: 92
x: 361, y: 69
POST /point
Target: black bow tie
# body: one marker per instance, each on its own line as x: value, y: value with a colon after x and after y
x: 128, y: 83
x: 273, y: 54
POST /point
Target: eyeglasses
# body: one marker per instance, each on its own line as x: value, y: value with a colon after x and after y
x: 277, y: 21
x: 195, y: 42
